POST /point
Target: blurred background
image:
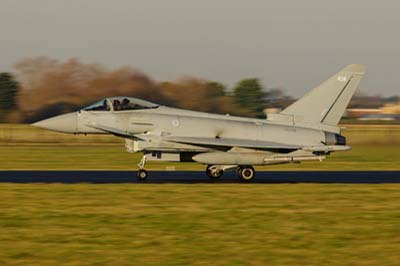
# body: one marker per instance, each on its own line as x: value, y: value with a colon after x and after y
x: 216, y: 56
x: 42, y: 87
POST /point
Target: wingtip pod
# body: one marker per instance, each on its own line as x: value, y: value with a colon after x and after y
x: 359, y: 69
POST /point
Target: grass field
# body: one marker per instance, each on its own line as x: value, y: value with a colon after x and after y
x: 199, y: 224
x: 54, y: 157
x: 25, y: 147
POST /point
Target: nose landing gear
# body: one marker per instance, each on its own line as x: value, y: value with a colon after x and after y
x: 142, y: 173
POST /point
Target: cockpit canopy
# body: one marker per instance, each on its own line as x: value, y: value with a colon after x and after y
x: 117, y: 104
x: 102, y: 105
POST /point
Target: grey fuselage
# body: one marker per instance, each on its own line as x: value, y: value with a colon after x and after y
x: 155, y: 126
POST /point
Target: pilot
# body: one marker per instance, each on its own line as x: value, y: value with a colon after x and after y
x: 125, y: 104
x: 117, y: 105
x: 105, y: 105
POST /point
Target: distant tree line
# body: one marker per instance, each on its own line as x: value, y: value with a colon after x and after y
x: 42, y: 87
x: 9, y: 88
x: 48, y: 87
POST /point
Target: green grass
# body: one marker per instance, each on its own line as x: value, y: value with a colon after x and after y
x: 23, y: 147
x: 54, y: 157
x: 231, y: 224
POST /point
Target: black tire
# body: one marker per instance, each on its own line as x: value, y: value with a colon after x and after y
x: 214, y: 175
x: 246, y: 173
x: 141, y: 175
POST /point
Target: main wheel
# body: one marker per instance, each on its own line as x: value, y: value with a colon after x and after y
x: 214, y: 173
x: 141, y: 174
x: 246, y: 173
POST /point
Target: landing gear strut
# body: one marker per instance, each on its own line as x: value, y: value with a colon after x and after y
x: 213, y: 172
x: 246, y: 173
x: 142, y: 174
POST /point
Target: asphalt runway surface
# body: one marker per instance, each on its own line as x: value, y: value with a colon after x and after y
x: 188, y: 177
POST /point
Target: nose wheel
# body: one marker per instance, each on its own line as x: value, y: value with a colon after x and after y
x: 142, y: 174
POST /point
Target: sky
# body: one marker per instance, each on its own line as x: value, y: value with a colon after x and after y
x: 288, y: 44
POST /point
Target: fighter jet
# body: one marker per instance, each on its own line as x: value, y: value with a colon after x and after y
x: 307, y: 130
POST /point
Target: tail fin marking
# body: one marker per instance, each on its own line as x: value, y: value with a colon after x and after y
x: 327, y: 103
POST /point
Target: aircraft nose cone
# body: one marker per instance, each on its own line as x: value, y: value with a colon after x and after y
x: 66, y: 123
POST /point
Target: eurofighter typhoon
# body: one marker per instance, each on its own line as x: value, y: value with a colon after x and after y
x: 307, y: 130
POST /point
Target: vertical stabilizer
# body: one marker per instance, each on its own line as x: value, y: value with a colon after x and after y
x: 327, y: 103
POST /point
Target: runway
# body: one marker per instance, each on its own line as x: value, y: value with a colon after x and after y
x: 188, y: 177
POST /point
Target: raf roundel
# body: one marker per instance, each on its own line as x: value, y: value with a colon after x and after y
x: 175, y: 122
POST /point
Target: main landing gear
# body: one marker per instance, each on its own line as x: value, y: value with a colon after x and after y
x: 142, y: 174
x: 214, y: 172
x: 245, y: 173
